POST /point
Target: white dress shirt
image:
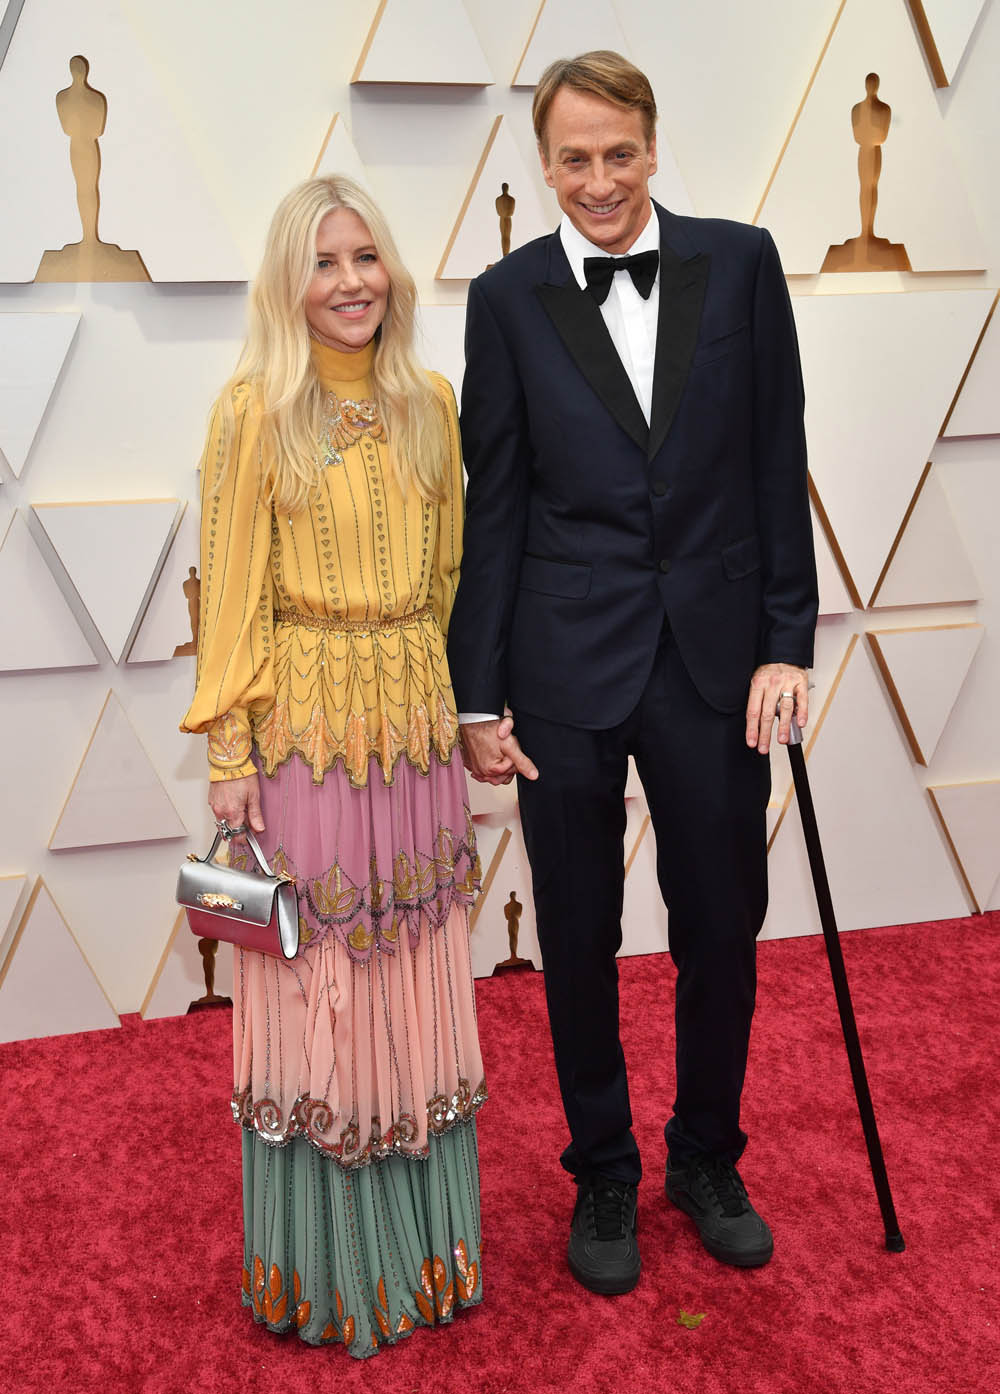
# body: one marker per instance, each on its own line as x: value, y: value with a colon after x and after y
x: 631, y: 322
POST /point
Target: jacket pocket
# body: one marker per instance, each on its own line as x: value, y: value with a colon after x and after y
x: 721, y: 346
x: 568, y: 579
x: 741, y: 558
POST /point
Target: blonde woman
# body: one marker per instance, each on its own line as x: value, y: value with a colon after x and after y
x: 331, y: 538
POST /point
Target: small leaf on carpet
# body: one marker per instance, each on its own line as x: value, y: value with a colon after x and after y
x: 690, y: 1319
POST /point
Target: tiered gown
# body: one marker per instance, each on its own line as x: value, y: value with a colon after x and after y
x: 357, y: 1070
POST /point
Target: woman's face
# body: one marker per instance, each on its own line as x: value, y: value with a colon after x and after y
x: 349, y: 292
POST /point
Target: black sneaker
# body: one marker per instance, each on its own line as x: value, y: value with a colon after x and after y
x: 711, y: 1192
x: 603, y: 1252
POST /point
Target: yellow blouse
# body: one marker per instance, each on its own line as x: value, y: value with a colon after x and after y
x: 322, y: 632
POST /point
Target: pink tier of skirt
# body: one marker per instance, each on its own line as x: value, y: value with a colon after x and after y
x: 366, y: 1042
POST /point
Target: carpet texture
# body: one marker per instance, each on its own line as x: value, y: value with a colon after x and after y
x: 121, y: 1217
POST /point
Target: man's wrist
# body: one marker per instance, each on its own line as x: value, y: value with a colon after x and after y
x: 467, y: 718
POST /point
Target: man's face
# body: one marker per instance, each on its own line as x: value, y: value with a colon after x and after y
x: 594, y: 154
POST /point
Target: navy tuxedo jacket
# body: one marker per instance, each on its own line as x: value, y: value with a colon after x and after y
x: 584, y: 527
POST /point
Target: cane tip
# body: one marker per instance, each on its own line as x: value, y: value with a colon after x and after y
x: 894, y: 1243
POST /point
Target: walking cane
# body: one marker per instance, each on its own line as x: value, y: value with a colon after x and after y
x: 893, y: 1238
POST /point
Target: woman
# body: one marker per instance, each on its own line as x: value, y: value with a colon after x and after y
x: 331, y: 536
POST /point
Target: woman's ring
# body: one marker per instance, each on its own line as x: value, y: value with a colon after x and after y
x: 789, y: 695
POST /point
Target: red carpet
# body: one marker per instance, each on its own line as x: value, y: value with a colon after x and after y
x: 121, y: 1217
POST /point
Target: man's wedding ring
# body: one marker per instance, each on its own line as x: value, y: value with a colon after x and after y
x: 789, y: 695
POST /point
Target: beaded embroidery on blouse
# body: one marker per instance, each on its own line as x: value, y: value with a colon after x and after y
x: 344, y: 423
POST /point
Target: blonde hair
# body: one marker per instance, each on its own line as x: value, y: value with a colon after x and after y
x: 277, y: 364
x: 603, y: 73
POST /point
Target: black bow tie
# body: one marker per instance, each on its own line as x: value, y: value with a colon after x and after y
x: 600, y: 272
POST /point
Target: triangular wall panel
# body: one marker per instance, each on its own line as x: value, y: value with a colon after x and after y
x: 39, y: 631
x: 33, y: 348
x: 117, y: 795
x: 945, y: 28
x: 11, y: 892
x: 563, y: 28
x: 155, y: 196
x: 924, y: 670
x: 338, y: 154
x: 475, y: 240
x: 970, y: 815
x: 112, y: 553
x: 886, y: 858
x: 834, y: 597
x: 930, y: 565
x: 812, y: 200
x: 880, y: 371
x: 168, y: 619
x: 423, y: 41
x: 977, y: 411
x: 47, y: 987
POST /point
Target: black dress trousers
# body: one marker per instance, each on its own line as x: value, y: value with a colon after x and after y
x: 707, y: 793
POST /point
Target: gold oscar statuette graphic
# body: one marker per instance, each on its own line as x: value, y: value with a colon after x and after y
x: 512, y: 914
x: 192, y: 593
x: 870, y: 121
x: 208, y: 948
x: 505, y: 204
x: 83, y: 113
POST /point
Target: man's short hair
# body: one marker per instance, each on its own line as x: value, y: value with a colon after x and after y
x: 603, y: 73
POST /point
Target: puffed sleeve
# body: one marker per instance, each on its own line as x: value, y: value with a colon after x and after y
x: 451, y: 512
x: 235, y: 635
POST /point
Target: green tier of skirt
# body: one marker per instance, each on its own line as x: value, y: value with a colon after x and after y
x: 361, y: 1256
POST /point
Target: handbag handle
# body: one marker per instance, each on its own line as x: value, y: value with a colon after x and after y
x: 253, y: 845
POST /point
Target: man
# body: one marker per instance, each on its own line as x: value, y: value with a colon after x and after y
x: 638, y: 557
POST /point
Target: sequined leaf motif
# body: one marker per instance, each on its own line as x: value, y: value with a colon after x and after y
x: 447, y: 1300
x: 404, y: 1324
x: 383, y: 1321
x: 330, y: 896
x: 418, y: 737
x: 302, y: 1313
x: 424, y: 1307
x: 461, y: 1257
x: 228, y: 741
x: 425, y: 1299
x: 347, y: 1332
x: 356, y: 746
x: 246, y: 1282
x: 390, y: 742
x: 691, y: 1320
x: 274, y: 735
x: 330, y: 1332
x: 319, y: 745
x: 440, y: 1273
x: 445, y: 726
x: 258, y: 1283
x: 472, y: 1282
x: 340, y: 1304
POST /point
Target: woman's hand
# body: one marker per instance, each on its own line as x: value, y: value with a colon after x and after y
x: 237, y: 801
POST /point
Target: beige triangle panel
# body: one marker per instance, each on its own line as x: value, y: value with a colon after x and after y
x: 501, y: 210
x: 970, y: 817
x: 871, y: 432
x: 33, y: 348
x: 422, y: 41
x: 40, y: 631
x: 945, y: 28
x: 868, y: 179
x: 886, y: 859
x: 928, y: 564
x: 924, y: 670
x: 563, y: 28
x: 976, y: 409
x: 169, y: 626
x: 338, y: 155
x: 189, y: 970
x: 112, y: 552
x: 11, y: 894
x: 47, y: 987
x: 117, y: 796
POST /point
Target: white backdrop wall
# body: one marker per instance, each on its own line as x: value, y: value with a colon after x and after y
x: 104, y: 389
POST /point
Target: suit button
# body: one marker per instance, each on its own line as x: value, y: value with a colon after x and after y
x: 664, y: 564
x: 659, y: 488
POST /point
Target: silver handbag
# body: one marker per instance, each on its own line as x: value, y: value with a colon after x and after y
x: 255, y: 911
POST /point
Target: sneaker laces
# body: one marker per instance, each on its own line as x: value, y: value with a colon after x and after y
x: 726, y: 1185
x: 608, y: 1206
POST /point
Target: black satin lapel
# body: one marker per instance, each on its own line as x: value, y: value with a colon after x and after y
x: 682, y: 295
x: 581, y: 327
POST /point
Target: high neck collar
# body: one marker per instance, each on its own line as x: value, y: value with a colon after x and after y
x: 334, y: 366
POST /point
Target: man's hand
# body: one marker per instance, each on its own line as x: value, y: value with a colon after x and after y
x: 237, y: 801
x: 492, y: 753
x: 776, y: 689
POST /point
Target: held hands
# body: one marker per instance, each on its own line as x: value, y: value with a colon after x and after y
x: 237, y: 801
x: 776, y: 689
x: 492, y: 753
